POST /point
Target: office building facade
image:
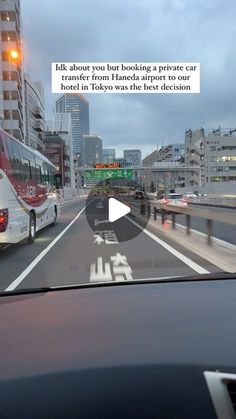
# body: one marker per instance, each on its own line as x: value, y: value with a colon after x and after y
x: 121, y: 161
x: 58, y: 153
x: 11, y: 70
x: 78, y: 107
x: 149, y: 178
x: 168, y: 172
x: 91, y: 150
x: 34, y: 114
x: 61, y: 125
x: 108, y: 155
x: 212, y: 154
x: 133, y: 157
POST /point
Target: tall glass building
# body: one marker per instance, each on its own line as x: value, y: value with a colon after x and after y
x: 91, y: 150
x: 78, y: 107
x: 108, y: 155
x: 134, y: 157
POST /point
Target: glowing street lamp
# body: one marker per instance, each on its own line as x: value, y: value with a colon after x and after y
x: 13, y: 54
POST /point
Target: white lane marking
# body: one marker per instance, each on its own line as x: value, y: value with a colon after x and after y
x: 97, y: 222
x: 193, y: 265
x: 32, y: 265
x: 70, y: 202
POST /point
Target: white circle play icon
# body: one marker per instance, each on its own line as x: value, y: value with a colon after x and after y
x: 116, y: 210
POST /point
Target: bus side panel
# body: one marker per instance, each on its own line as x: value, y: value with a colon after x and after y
x: 47, y: 217
x: 27, y: 185
x: 17, y: 228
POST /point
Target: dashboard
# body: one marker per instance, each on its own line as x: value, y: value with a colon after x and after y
x: 136, y: 350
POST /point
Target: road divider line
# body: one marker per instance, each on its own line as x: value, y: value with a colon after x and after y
x: 35, y: 262
x: 62, y: 205
x: 189, y: 262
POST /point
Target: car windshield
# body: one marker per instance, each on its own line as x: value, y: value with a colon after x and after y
x: 117, y: 141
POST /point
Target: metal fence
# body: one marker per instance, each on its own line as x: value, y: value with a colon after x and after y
x: 209, y: 215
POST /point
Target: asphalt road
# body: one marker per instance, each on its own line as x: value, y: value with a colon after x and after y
x: 71, y: 253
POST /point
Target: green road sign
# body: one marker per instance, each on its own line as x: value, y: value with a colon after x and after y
x: 97, y: 174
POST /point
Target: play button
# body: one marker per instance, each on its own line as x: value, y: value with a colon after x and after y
x: 110, y: 207
x: 116, y: 210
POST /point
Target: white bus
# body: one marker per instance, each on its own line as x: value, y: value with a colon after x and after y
x: 28, y: 200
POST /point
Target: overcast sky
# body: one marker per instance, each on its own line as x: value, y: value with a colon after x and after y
x: 139, y: 31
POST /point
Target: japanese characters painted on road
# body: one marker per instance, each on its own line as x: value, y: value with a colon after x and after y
x: 116, y: 270
x: 106, y: 237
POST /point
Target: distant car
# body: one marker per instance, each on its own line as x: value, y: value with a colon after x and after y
x: 172, y: 199
x: 139, y: 195
x: 200, y: 193
x: 191, y: 195
x: 176, y: 199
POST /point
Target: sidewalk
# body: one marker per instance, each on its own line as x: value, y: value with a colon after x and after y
x: 220, y: 253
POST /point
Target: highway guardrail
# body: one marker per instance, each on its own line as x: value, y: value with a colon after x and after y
x: 209, y: 215
x: 213, y: 201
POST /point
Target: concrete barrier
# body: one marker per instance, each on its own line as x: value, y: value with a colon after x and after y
x: 216, y: 201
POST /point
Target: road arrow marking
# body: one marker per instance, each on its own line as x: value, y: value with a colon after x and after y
x: 98, y: 239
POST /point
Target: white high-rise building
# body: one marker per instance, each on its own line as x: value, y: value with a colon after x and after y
x: 11, y: 73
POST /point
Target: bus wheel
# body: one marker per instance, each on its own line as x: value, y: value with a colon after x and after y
x: 54, y: 217
x: 32, y: 228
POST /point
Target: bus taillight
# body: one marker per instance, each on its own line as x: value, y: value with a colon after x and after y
x: 3, y: 220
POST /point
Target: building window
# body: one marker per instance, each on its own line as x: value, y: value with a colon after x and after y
x: 229, y: 147
x: 7, y: 114
x: 6, y: 95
